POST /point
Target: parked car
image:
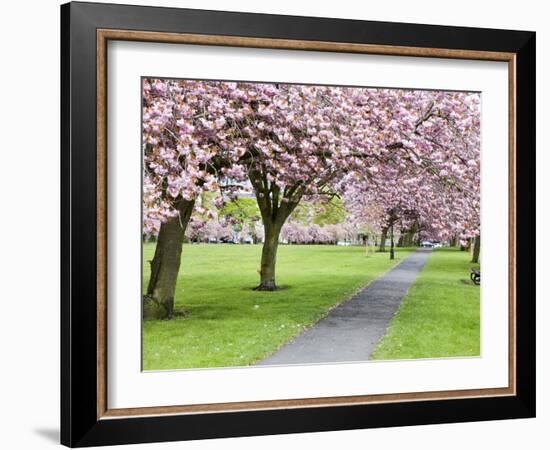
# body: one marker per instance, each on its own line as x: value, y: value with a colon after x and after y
x: 426, y: 244
x: 344, y: 243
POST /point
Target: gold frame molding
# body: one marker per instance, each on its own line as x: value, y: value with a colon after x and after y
x: 105, y: 35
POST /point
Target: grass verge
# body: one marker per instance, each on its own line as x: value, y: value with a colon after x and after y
x: 440, y: 315
x: 225, y: 323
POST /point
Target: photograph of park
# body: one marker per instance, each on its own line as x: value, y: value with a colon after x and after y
x: 304, y: 224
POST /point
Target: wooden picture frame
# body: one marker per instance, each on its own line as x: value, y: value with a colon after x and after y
x: 86, y: 418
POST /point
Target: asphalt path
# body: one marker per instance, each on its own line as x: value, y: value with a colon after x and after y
x: 351, y: 330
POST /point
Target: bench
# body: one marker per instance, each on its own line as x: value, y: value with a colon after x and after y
x: 475, y: 276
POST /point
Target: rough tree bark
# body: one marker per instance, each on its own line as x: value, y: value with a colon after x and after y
x: 401, y: 242
x: 159, y: 301
x: 269, y: 258
x: 383, y: 237
x: 409, y: 238
x: 275, y: 207
x: 476, y: 248
x: 406, y: 238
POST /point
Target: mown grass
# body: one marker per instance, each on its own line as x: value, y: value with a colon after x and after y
x: 440, y: 316
x: 223, y: 322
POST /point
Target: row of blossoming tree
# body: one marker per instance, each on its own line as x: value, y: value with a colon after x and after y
x: 396, y: 157
x: 208, y: 226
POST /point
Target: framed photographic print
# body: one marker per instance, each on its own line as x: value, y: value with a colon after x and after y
x: 277, y: 224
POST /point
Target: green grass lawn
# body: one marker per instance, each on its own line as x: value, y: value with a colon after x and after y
x: 439, y: 317
x: 226, y: 323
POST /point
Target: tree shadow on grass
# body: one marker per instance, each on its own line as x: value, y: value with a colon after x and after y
x: 282, y: 287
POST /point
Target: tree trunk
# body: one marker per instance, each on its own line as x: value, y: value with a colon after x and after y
x: 159, y: 300
x: 402, y: 241
x: 383, y: 237
x: 269, y: 258
x: 477, y: 245
x: 275, y: 207
x: 409, y: 238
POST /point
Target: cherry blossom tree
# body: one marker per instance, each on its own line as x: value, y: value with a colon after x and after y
x: 182, y: 126
x: 292, y: 142
x: 301, y: 141
x: 437, y: 193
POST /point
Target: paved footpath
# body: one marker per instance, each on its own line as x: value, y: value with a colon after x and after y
x: 351, y: 330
